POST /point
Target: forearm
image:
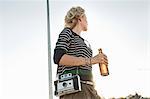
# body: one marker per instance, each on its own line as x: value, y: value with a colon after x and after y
x: 69, y: 60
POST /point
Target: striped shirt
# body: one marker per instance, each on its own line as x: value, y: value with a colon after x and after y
x: 73, y: 44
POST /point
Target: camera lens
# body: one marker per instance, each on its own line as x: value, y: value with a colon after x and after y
x: 64, y: 84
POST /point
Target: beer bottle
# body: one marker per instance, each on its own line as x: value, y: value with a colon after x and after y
x: 103, y: 67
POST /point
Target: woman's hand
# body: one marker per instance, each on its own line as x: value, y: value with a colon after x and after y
x: 100, y: 58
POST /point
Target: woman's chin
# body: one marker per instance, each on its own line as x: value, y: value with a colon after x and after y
x: 85, y: 29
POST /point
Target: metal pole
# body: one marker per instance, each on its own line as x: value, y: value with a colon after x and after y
x: 49, y: 54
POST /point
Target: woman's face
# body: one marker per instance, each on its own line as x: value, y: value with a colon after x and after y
x: 84, y: 23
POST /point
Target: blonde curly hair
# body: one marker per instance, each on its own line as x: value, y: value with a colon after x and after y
x: 72, y: 16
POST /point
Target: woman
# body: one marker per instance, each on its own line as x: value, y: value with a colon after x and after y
x: 73, y: 56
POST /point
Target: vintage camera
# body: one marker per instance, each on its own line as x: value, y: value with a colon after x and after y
x: 67, y: 84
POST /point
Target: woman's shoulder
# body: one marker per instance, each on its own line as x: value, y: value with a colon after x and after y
x: 66, y: 30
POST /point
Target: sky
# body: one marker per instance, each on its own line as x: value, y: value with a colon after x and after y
x: 119, y: 27
x: 24, y: 63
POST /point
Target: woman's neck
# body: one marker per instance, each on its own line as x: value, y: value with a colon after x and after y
x: 77, y: 30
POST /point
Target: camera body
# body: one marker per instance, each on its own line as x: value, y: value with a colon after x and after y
x: 67, y: 84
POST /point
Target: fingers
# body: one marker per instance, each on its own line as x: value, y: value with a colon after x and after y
x: 104, y: 62
x: 100, y: 58
x: 103, y: 59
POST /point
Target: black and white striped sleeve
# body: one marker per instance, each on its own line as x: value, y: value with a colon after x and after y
x: 62, y: 45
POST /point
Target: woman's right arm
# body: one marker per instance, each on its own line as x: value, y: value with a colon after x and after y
x: 69, y: 60
x: 61, y: 58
